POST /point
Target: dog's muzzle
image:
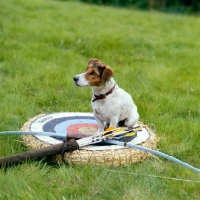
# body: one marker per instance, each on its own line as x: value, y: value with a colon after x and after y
x: 80, y: 80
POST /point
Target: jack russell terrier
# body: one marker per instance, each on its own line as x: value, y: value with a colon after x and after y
x: 110, y: 103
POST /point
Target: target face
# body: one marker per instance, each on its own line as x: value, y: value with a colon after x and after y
x: 69, y: 122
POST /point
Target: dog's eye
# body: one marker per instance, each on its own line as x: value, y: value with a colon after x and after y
x: 93, y: 73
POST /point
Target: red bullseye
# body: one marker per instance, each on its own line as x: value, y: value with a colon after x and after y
x: 78, y: 128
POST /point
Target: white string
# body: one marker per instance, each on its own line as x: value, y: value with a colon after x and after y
x: 154, y: 176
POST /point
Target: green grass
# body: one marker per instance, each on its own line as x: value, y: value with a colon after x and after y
x: 155, y: 57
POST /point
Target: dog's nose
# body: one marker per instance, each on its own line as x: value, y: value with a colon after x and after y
x: 75, y: 79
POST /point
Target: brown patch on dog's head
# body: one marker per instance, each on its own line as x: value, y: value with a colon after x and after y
x: 93, y: 60
x: 97, y: 73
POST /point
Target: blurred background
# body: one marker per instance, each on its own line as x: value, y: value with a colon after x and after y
x: 180, y: 6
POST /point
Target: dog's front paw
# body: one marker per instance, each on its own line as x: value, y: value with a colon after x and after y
x: 97, y: 133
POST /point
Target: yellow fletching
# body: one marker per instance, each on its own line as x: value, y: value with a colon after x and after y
x: 110, y: 128
x: 130, y: 134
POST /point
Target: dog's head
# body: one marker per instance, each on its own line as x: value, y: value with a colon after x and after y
x: 96, y: 74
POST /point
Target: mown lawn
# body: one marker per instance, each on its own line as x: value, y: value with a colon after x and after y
x: 155, y: 57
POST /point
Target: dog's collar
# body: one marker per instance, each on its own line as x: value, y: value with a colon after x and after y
x: 103, y: 96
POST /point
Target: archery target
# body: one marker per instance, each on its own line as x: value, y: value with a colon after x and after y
x: 69, y: 122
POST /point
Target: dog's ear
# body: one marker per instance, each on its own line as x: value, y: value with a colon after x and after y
x: 107, y: 73
x: 92, y: 60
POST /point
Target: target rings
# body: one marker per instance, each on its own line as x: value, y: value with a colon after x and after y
x: 66, y: 122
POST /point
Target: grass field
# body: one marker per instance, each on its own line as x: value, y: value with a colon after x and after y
x: 155, y: 57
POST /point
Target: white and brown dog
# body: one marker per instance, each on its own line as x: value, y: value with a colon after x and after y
x: 110, y: 103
